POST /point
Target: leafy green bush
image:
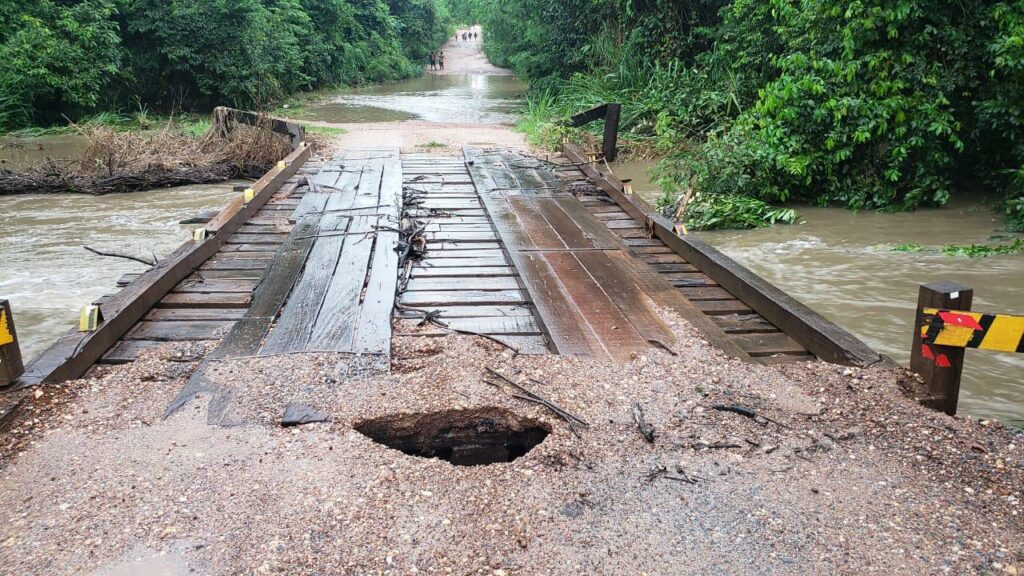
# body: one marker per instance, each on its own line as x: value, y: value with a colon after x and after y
x: 71, y: 57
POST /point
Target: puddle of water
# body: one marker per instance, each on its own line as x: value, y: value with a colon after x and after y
x: 20, y: 153
x: 842, y: 264
x: 48, y: 276
x: 478, y: 98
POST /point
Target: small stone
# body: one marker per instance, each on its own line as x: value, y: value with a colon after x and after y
x: 298, y: 414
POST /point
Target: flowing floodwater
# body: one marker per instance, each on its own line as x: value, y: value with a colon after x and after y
x: 469, y: 99
x: 48, y: 276
x: 844, y: 265
x: 17, y: 153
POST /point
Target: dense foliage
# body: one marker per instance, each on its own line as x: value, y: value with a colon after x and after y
x: 886, y: 104
x: 67, y: 57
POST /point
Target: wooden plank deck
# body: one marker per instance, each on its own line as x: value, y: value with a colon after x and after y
x: 758, y: 338
x: 592, y: 296
x: 465, y: 275
x: 343, y: 299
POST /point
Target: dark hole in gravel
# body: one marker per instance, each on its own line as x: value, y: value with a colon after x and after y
x: 462, y: 437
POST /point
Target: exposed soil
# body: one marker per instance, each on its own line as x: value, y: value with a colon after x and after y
x: 838, y: 473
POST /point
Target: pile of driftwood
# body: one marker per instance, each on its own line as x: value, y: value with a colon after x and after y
x: 115, y: 162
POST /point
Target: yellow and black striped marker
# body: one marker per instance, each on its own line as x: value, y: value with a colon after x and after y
x: 199, y: 234
x: 90, y: 319
x: 959, y: 329
x: 5, y: 329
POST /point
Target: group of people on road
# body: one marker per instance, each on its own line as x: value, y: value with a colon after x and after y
x: 467, y: 36
x: 437, y: 60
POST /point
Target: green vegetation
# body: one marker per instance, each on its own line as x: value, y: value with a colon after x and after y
x: 969, y: 250
x: 326, y: 130
x: 870, y: 104
x: 71, y: 58
x: 431, y: 144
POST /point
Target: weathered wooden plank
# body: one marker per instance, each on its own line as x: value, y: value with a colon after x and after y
x: 482, y: 325
x: 436, y: 261
x: 461, y: 236
x: 470, y: 283
x: 235, y: 264
x: 213, y: 285
x: 257, y: 238
x: 613, y: 330
x: 477, y: 297
x: 335, y: 330
x: 702, y: 293
x: 292, y: 331
x: 719, y: 307
x: 194, y: 314
x: 526, y: 222
x: 269, y: 297
x: 626, y: 292
x: 437, y: 253
x: 743, y: 323
x: 179, y: 331
x: 373, y: 333
x: 251, y: 274
x: 226, y: 300
x: 463, y: 272
x: 769, y: 344
x: 473, y: 311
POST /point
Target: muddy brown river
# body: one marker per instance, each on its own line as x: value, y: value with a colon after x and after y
x: 48, y: 276
x: 844, y: 265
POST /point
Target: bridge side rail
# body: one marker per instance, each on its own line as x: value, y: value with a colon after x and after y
x: 75, y: 352
x: 818, y: 335
x: 223, y: 117
x: 611, y: 113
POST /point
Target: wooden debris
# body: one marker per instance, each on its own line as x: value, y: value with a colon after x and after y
x: 641, y: 424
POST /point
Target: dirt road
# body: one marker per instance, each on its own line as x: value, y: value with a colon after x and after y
x: 796, y: 469
x: 467, y: 56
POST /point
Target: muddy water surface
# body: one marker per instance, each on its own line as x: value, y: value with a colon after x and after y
x: 843, y: 265
x: 48, y: 276
x: 17, y: 153
x: 471, y: 99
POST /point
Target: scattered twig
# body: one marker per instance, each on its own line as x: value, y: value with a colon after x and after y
x: 530, y: 396
x: 657, y: 342
x: 125, y: 256
x: 744, y: 411
x: 641, y: 424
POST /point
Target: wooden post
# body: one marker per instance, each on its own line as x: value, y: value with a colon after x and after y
x: 11, y: 366
x: 610, y: 145
x: 940, y: 366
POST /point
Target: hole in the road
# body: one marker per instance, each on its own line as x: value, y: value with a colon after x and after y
x: 462, y: 437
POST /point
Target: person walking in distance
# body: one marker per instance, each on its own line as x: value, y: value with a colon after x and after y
x: 440, y: 59
x: 433, y: 61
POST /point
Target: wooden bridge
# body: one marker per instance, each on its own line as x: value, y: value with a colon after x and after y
x: 343, y: 254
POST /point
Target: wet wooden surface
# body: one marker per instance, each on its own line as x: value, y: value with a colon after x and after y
x: 737, y: 323
x: 465, y: 275
x: 343, y: 298
x: 591, y: 292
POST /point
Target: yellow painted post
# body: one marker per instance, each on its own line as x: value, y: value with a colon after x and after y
x: 11, y: 365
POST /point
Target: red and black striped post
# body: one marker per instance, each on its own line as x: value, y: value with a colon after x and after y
x: 939, y: 366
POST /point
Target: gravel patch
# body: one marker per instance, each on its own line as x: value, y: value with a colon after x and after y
x: 836, y: 471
